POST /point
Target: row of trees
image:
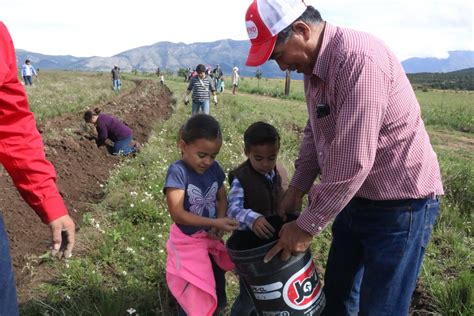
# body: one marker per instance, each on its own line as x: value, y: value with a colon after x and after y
x: 458, y: 80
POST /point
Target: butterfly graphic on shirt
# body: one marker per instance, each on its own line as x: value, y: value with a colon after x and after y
x: 200, y: 202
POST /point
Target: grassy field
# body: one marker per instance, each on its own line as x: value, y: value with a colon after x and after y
x: 54, y: 93
x: 122, y: 272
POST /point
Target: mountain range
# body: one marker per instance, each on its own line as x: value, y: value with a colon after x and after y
x: 228, y: 53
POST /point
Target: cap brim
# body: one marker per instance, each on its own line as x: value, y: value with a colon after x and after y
x: 259, y: 53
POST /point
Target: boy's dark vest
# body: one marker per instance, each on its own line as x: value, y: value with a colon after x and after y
x: 260, y: 194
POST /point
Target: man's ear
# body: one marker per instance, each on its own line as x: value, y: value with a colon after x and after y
x: 301, y: 28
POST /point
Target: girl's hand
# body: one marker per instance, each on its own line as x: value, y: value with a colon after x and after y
x: 262, y: 228
x: 226, y: 224
x: 215, y: 233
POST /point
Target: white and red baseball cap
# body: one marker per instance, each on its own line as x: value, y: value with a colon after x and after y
x: 264, y: 20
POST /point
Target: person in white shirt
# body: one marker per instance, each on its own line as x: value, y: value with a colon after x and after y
x: 235, y: 79
x: 27, y: 71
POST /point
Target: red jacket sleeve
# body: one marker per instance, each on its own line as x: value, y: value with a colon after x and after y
x: 21, y: 146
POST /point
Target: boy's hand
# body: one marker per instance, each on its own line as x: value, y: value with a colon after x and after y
x: 262, y: 228
x: 226, y: 224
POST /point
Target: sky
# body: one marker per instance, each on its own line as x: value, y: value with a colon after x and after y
x: 411, y: 28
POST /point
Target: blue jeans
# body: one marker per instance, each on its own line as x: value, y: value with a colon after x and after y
x: 122, y: 147
x: 243, y: 305
x: 376, y: 254
x: 28, y: 80
x: 8, y: 304
x: 200, y: 106
x: 116, y: 84
x: 219, y: 276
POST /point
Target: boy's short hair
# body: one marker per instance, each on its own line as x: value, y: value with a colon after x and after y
x: 200, y: 68
x: 261, y: 133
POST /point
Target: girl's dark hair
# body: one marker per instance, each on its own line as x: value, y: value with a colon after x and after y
x: 200, y: 126
x: 200, y: 68
x: 309, y: 16
x: 261, y: 133
x: 88, y: 114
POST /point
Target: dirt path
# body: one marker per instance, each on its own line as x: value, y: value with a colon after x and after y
x: 81, y: 169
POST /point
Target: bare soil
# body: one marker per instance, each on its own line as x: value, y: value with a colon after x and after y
x: 81, y: 169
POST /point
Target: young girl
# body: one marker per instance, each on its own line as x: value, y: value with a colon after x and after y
x: 109, y: 127
x: 196, y: 198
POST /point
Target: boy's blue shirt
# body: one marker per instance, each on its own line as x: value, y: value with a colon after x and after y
x: 235, y: 199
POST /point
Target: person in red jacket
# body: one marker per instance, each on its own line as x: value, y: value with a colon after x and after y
x: 22, y: 155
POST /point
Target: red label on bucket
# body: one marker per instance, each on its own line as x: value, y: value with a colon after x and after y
x: 303, y: 288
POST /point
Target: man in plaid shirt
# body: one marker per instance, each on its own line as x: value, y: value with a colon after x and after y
x: 365, y: 139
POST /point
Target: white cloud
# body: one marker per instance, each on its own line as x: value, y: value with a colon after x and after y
x: 105, y: 27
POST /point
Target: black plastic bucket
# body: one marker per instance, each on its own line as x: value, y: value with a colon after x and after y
x: 277, y: 288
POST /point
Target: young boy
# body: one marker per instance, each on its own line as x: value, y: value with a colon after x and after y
x: 256, y: 187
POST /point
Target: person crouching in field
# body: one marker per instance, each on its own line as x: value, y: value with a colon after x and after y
x: 201, y: 86
x: 256, y: 186
x: 196, y: 198
x: 109, y: 127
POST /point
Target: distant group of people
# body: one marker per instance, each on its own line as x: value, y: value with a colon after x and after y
x: 202, y: 87
x: 204, y: 82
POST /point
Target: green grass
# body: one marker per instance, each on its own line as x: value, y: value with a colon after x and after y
x: 56, y: 92
x: 125, y: 237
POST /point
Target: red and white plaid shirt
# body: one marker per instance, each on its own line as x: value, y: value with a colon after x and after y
x: 373, y: 143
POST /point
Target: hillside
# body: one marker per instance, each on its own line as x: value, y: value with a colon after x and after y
x: 228, y: 53
x: 166, y: 55
x: 455, y: 61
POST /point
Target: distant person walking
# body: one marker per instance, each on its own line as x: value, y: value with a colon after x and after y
x: 22, y: 155
x: 162, y: 80
x: 201, y: 87
x: 221, y: 86
x: 27, y: 71
x: 109, y: 127
x: 116, y: 83
x: 235, y: 79
x: 217, y: 75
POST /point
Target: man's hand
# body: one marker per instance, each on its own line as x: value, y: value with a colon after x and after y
x: 262, y: 228
x: 186, y: 100
x: 63, y: 233
x: 215, y: 99
x: 292, y: 240
x: 291, y: 202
